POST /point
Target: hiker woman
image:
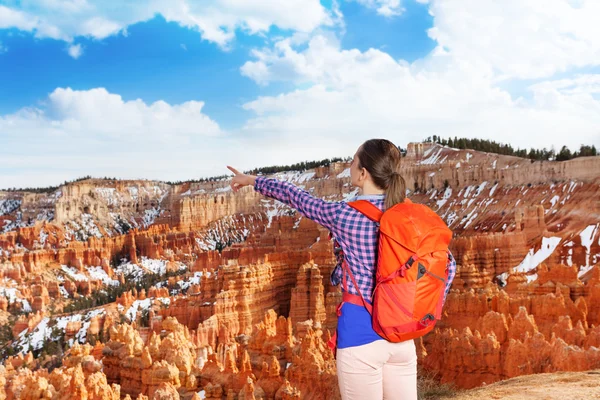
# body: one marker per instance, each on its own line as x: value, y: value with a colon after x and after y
x: 368, y: 366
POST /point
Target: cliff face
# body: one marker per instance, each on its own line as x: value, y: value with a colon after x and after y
x: 189, y: 288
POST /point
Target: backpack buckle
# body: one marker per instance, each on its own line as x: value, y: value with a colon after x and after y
x: 427, y: 320
x: 411, y: 261
x: 337, y: 250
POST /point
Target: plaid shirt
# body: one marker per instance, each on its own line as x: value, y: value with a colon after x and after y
x: 356, y: 234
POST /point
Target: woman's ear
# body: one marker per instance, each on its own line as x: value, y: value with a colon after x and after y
x: 363, y: 174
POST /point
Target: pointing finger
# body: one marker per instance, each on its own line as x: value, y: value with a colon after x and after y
x: 235, y: 171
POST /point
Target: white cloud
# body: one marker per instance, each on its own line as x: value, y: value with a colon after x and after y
x: 24, y: 21
x: 387, y: 8
x: 455, y: 90
x: 97, y: 132
x: 75, y: 51
x: 357, y: 95
x: 216, y: 20
x: 519, y: 39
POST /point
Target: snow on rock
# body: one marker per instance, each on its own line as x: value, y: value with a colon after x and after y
x: 8, y: 206
x: 480, y: 188
x: 130, y: 270
x: 452, y: 217
x: 74, y: 274
x: 532, y: 260
x: 52, y: 329
x: 471, y: 217
x: 150, y: 216
x: 99, y: 274
x: 133, y: 192
x: 344, y: 174
x: 351, y: 195
x: 445, y: 197
x: 502, y: 278
x: 467, y: 191
x: 82, y: 229
x: 229, y: 230
x: 138, y: 305
x: 531, y: 278
x: 296, y: 177
x: 587, y: 238
x: 433, y: 159
x: 43, y: 237
x: 110, y: 195
x: 493, y: 189
x: 193, y: 280
x: 154, y: 266
x: 165, y: 300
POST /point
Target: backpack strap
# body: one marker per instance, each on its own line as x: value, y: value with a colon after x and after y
x: 367, y: 208
x: 346, y: 269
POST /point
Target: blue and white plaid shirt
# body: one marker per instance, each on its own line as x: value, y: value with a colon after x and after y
x: 356, y: 234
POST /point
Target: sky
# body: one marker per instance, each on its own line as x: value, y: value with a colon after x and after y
x: 178, y: 89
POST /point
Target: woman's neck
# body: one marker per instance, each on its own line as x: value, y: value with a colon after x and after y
x: 369, y: 188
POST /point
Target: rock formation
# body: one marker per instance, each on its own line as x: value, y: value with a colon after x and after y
x: 187, y: 288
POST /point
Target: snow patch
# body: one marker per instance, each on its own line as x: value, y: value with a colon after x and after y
x: 532, y: 260
x: 493, y: 190
x: 445, y: 197
x: 154, y: 266
x: 344, y: 174
x: 138, y: 305
x: 8, y: 206
x: 502, y: 278
x: 97, y: 273
x: 194, y: 280
x: 480, y: 188
x: 433, y: 159
x: 587, y: 237
x: 74, y: 274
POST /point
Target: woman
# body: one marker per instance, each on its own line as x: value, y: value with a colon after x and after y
x: 368, y: 366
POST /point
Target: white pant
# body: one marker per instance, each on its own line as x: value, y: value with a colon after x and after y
x: 378, y: 370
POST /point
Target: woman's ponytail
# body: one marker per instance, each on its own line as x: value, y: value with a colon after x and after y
x: 396, y: 190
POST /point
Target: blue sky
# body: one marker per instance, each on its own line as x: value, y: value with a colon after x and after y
x: 160, y: 60
x: 163, y: 91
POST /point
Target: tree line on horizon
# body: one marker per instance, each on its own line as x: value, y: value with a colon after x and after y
x: 490, y: 146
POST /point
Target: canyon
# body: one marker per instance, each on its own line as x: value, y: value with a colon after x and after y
x: 141, y: 289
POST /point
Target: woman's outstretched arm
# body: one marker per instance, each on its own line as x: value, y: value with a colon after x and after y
x: 320, y: 211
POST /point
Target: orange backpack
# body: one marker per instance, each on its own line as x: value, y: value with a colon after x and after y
x: 411, y: 270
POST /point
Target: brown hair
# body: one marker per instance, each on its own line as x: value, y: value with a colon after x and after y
x: 382, y: 158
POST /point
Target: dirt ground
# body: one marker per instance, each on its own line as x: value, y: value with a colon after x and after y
x: 556, y: 386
